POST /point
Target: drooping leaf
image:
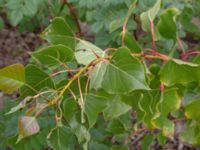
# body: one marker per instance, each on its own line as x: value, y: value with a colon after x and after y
x: 54, y: 55
x: 21, y: 105
x: 149, y: 15
x: 177, y: 71
x: 97, y: 74
x: 124, y: 74
x: 167, y: 23
x: 27, y: 126
x: 86, y: 52
x: 11, y: 78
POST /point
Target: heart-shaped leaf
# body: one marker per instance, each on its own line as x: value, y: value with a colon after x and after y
x: 149, y: 15
x: 54, y: 55
x: 124, y: 74
x: 27, y: 126
x: 60, y: 27
x: 86, y: 52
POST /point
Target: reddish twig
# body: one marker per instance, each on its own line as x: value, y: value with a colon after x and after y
x: 194, y: 53
x: 180, y: 43
x: 62, y: 71
x: 162, y: 87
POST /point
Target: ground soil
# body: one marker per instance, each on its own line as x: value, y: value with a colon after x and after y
x: 15, y: 48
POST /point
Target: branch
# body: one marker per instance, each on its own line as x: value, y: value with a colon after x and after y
x: 152, y: 55
x: 76, y: 76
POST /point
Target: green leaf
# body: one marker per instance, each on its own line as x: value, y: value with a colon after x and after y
x: 21, y: 105
x: 97, y: 75
x: 54, y: 55
x: 115, y: 108
x: 177, y: 71
x: 70, y: 107
x: 148, y: 16
x: 131, y: 43
x: 146, y: 105
x: 170, y: 101
x: 11, y: 78
x: 124, y: 74
x: 146, y: 141
x: 93, y: 106
x: 27, y: 126
x: 161, y: 138
x: 191, y: 110
x: 60, y: 27
x: 86, y: 52
x: 30, y: 8
x: 116, y: 24
x: 36, y: 80
x: 61, y: 39
x: 62, y: 138
x: 133, y: 100
x: 80, y: 131
x: 15, y: 17
x: 191, y: 133
x: 167, y: 23
x: 116, y: 127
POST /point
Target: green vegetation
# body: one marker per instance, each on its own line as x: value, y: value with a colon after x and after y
x: 80, y: 94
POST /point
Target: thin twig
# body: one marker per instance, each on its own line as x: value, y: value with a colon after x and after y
x: 153, y: 35
x: 81, y: 101
x: 181, y: 45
